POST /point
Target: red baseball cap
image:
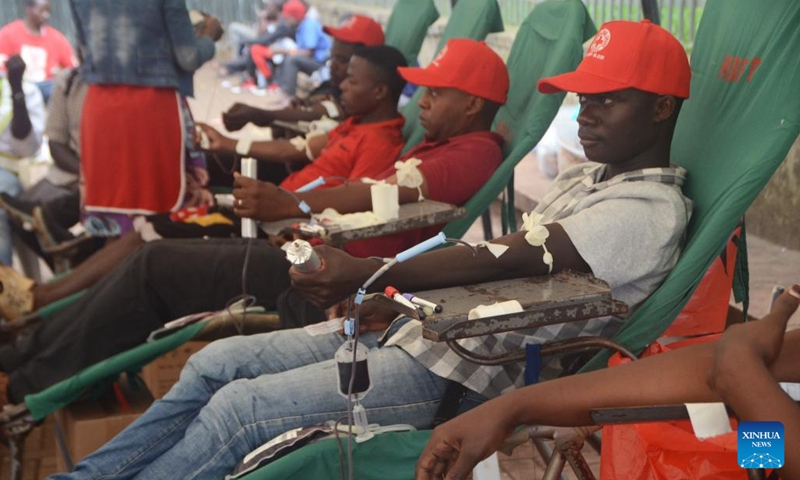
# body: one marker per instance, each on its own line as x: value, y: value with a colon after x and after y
x: 294, y: 9
x: 626, y: 54
x: 358, y: 29
x: 466, y: 65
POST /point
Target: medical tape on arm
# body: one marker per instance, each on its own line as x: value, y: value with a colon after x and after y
x: 409, y: 175
x: 537, y: 236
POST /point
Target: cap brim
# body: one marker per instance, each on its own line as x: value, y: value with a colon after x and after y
x: 422, y: 77
x: 337, y: 34
x: 579, y: 82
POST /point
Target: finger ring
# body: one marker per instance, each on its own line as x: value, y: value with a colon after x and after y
x: 240, y: 202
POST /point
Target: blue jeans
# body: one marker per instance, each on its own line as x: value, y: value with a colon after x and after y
x: 46, y: 87
x: 9, y: 183
x: 238, y: 393
x: 286, y: 76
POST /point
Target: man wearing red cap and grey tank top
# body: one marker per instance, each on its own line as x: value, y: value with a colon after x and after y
x: 621, y: 217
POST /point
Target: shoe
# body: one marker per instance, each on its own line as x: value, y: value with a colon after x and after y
x: 20, y: 211
x: 16, y: 293
x: 50, y: 233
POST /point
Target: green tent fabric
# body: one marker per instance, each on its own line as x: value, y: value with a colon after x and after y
x: 549, y: 42
x: 42, y: 404
x: 408, y: 25
x: 321, y: 460
x: 733, y: 133
x: 469, y: 19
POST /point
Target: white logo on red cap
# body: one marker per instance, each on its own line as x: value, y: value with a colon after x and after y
x: 599, y: 43
x: 440, y: 56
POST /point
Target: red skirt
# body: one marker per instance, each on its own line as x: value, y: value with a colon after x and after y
x: 132, y: 155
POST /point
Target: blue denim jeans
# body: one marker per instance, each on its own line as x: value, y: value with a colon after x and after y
x: 238, y: 393
x: 9, y: 183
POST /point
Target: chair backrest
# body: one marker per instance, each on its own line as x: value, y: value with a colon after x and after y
x: 469, y: 19
x: 733, y: 133
x: 549, y: 42
x: 408, y: 25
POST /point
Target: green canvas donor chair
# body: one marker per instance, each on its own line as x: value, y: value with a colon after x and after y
x: 469, y: 19
x: 733, y: 133
x: 408, y: 26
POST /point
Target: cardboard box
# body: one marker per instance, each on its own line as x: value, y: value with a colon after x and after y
x: 88, y: 425
x: 163, y: 372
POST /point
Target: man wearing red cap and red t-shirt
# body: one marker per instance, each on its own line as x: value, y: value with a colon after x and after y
x: 324, y: 101
x: 189, y: 434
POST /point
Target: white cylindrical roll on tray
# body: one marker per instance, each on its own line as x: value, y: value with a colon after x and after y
x: 385, y: 201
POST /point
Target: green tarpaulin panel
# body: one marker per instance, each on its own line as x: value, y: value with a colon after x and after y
x: 408, y: 26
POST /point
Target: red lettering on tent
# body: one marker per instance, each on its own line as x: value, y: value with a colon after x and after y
x: 742, y: 68
x: 735, y: 66
x: 726, y: 65
x: 753, y: 67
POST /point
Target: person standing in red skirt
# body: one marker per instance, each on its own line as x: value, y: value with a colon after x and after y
x: 138, y: 59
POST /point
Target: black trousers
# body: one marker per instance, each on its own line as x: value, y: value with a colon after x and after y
x: 164, y: 280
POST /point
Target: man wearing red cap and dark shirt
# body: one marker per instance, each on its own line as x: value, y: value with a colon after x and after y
x: 356, y: 31
x: 454, y: 91
x: 184, y: 435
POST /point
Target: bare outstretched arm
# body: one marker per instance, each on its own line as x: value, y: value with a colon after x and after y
x: 280, y: 151
x: 240, y: 115
x: 699, y: 373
